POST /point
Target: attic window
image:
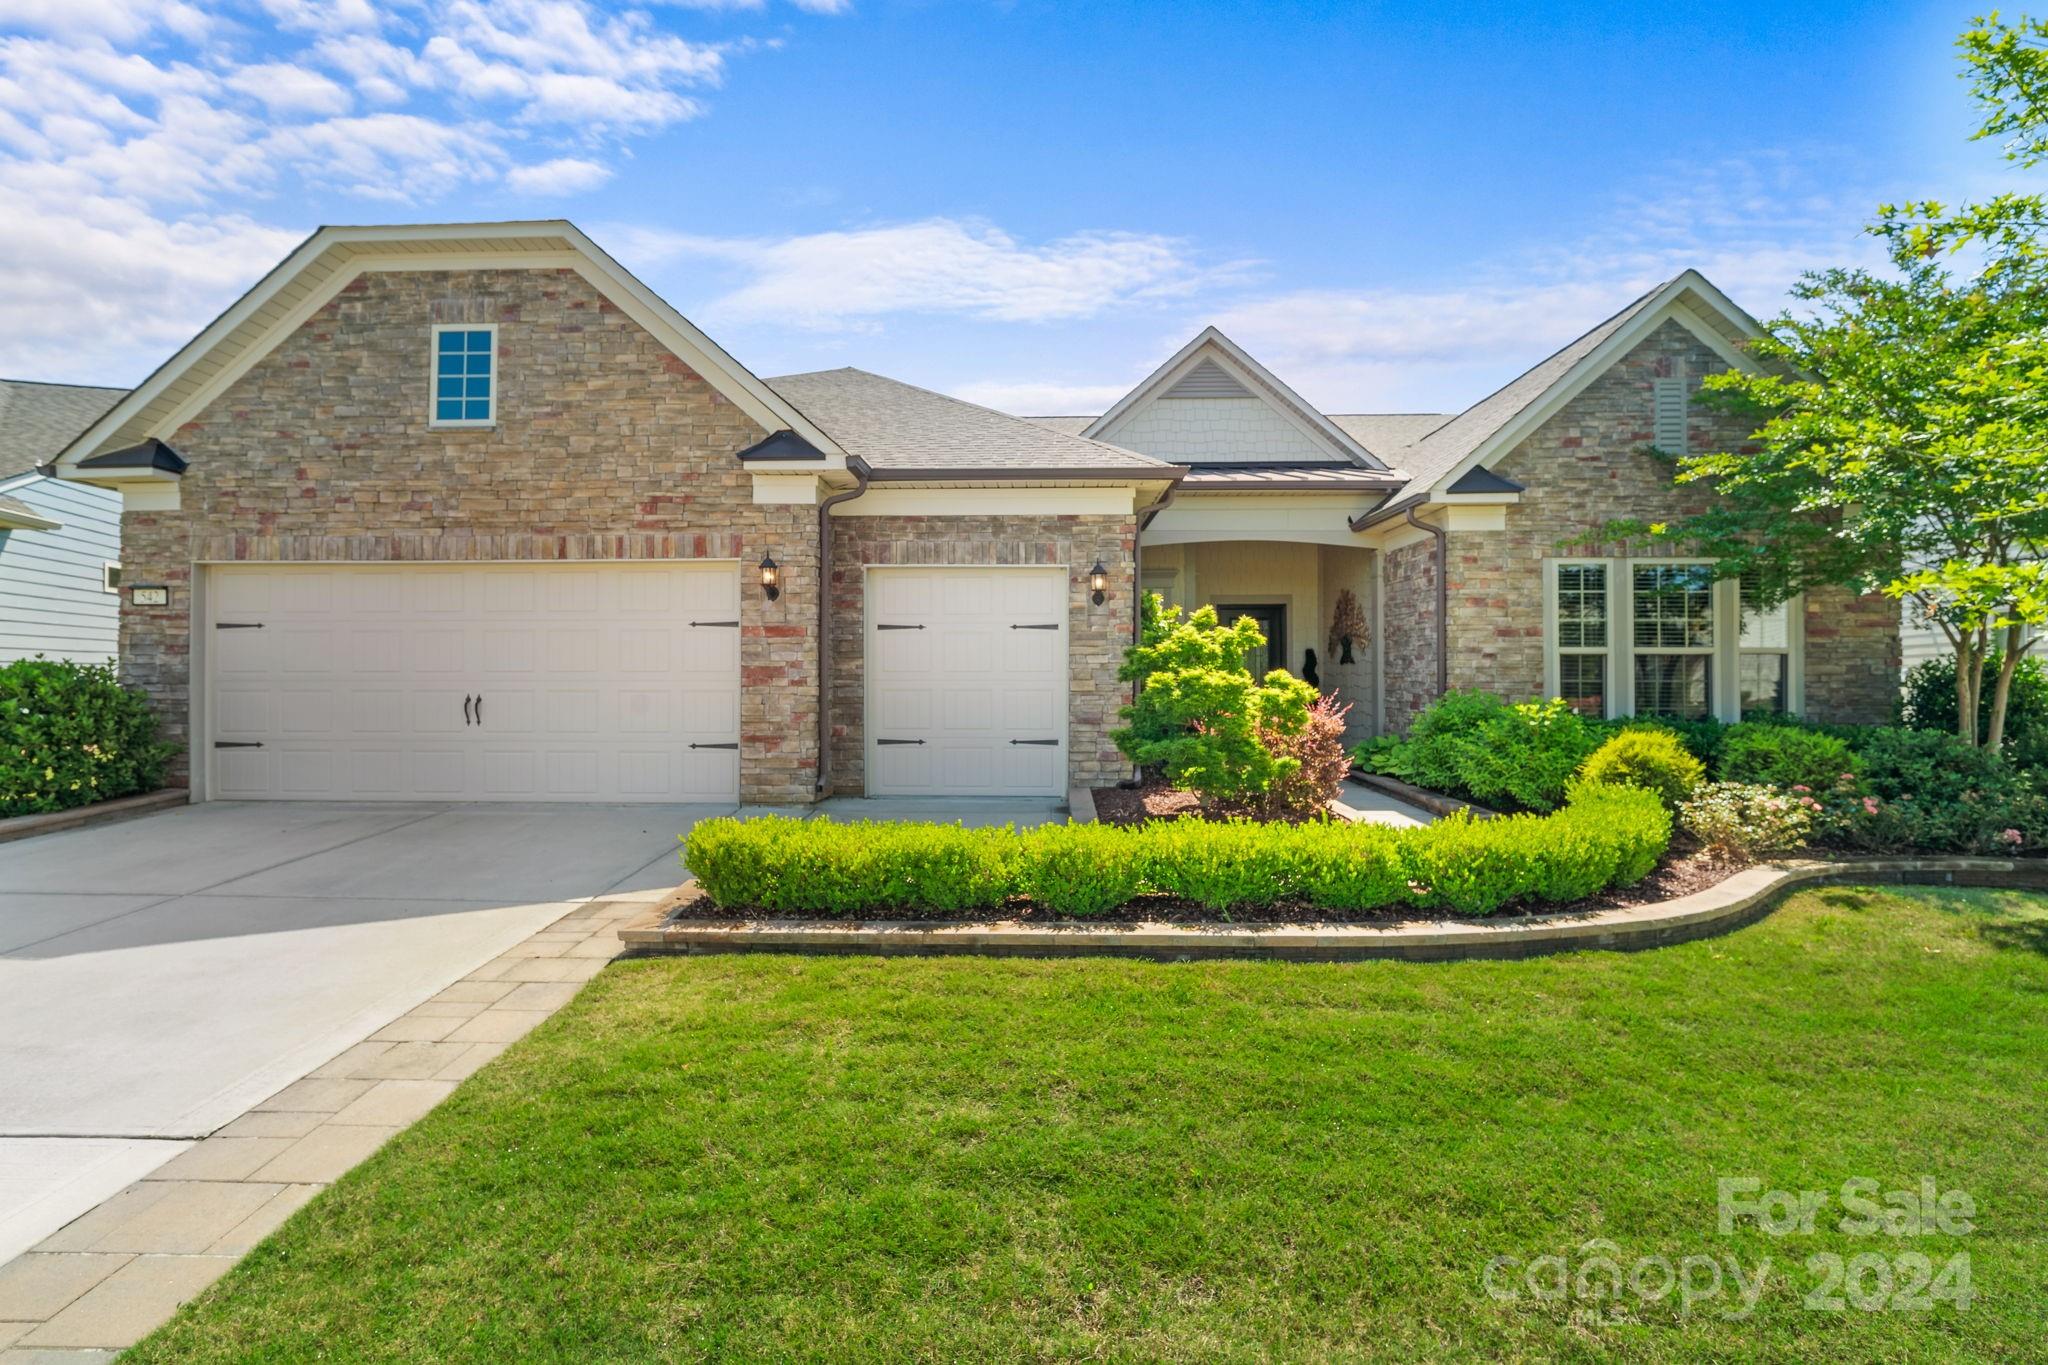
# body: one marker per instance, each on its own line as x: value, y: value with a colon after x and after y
x: 1668, y: 414
x: 465, y: 378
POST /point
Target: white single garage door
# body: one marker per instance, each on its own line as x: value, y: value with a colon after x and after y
x: 479, y: 682
x: 966, y: 682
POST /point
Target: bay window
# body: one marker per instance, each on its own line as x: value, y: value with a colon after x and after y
x: 1672, y: 639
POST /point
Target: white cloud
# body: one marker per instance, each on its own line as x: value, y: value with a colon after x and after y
x: 117, y: 19
x: 563, y: 175
x: 287, y: 88
x: 939, y: 265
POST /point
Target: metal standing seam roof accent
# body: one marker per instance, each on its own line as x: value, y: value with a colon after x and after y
x: 893, y: 426
x: 37, y: 420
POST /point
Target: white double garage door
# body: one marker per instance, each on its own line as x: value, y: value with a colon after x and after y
x: 611, y: 682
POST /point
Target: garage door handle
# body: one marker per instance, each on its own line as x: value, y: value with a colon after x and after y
x: 733, y: 745
x: 900, y: 741
x: 238, y: 625
x: 1050, y: 626
x: 479, y: 709
x: 1053, y: 742
x: 880, y: 627
x: 465, y: 709
x: 237, y: 744
x: 732, y: 624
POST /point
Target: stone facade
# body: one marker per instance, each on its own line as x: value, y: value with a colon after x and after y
x: 1407, y: 641
x: 1586, y: 466
x: 1097, y: 635
x: 606, y: 447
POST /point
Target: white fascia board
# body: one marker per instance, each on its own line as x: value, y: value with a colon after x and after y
x: 1672, y: 307
x: 1283, y: 399
x: 1019, y: 501
x: 633, y: 298
x: 26, y: 519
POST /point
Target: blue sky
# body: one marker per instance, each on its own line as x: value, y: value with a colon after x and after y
x: 1029, y: 204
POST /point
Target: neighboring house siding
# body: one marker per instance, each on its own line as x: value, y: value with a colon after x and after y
x: 1096, y: 638
x: 607, y: 447
x: 52, y: 598
x: 1198, y: 429
x: 1586, y: 466
x: 1408, y: 624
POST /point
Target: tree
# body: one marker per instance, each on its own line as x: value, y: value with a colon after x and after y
x: 1901, y: 437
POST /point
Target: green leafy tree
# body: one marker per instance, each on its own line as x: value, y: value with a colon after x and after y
x: 1900, y: 417
x: 1198, y: 714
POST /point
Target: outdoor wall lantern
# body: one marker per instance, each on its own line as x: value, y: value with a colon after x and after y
x: 1098, y: 582
x: 771, y: 578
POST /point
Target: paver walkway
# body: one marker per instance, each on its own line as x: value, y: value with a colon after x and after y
x: 108, y: 1278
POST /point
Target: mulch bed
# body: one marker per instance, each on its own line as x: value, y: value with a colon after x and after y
x: 1135, y: 805
x: 1684, y: 871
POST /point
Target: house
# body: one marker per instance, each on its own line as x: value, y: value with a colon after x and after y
x: 60, y: 543
x: 468, y: 512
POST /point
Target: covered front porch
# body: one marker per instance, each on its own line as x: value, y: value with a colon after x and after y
x: 1288, y: 564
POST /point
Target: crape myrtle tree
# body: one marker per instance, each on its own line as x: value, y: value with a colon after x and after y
x: 1900, y: 417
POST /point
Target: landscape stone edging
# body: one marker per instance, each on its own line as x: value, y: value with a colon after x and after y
x: 1436, y: 803
x: 120, y: 808
x: 1740, y: 899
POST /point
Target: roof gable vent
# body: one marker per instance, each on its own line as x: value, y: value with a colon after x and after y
x: 1208, y: 380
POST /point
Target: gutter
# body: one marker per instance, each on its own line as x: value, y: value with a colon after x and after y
x: 1443, y: 600
x: 861, y: 474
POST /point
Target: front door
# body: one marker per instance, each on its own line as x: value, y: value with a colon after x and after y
x: 1272, y: 619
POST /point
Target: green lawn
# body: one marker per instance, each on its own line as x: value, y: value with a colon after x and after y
x: 946, y: 1159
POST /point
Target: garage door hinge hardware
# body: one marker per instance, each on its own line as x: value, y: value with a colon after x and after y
x: 237, y: 744
x: 899, y: 627
x: 1051, y: 625
x: 238, y: 625
x: 1053, y: 742
x: 734, y: 744
x: 732, y: 624
x: 899, y: 741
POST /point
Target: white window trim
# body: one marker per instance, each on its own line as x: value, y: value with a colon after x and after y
x: 434, y: 374
x: 1725, y: 674
x: 110, y: 580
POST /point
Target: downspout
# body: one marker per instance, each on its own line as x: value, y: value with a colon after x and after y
x: 860, y: 486
x: 1144, y: 519
x: 1443, y: 600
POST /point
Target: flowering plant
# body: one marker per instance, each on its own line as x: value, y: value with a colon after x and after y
x: 1742, y: 821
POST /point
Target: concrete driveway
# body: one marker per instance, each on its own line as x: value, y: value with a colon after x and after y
x: 159, y: 976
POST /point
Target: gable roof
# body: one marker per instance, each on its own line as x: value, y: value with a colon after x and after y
x: 1212, y: 359
x: 892, y: 426
x: 1383, y: 433
x: 327, y: 260
x: 38, y: 420
x: 1496, y: 422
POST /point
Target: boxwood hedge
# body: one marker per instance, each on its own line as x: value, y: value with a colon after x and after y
x: 1604, y: 836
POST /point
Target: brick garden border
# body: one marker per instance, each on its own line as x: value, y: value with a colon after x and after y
x: 120, y: 808
x: 1741, y: 899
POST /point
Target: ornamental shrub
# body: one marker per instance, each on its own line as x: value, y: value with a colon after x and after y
x: 1649, y: 757
x: 1929, y: 703
x: 1741, y: 821
x: 71, y: 735
x: 1758, y: 753
x: 1606, y: 836
x: 1305, y: 791
x: 1928, y: 792
x: 1439, y: 739
x: 1524, y: 756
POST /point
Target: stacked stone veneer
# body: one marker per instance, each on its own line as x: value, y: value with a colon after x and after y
x: 1096, y: 637
x: 1582, y: 468
x: 606, y: 447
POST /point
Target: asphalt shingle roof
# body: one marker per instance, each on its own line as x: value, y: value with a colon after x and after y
x: 38, y: 420
x: 893, y: 425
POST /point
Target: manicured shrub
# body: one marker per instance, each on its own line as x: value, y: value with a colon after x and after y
x: 1321, y: 765
x: 1928, y: 765
x: 1922, y: 791
x: 1771, y: 755
x: 1928, y: 702
x: 1524, y: 756
x: 1199, y: 717
x: 1701, y: 738
x: 71, y: 735
x: 1607, y: 836
x: 1741, y: 821
x: 1649, y: 757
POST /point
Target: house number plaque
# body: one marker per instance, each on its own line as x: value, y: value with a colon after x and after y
x: 149, y: 596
